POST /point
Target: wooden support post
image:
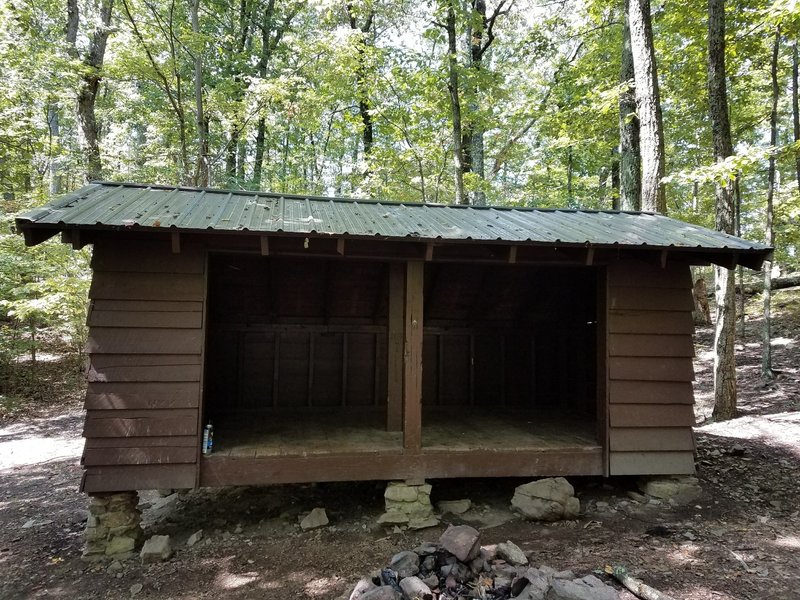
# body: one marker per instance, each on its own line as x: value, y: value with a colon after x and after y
x: 512, y: 254
x: 345, y: 363
x: 264, y: 245
x: 340, y: 246
x: 394, y: 402
x: 176, y: 242
x: 428, y: 252
x: 589, y: 257
x: 276, y: 370
x: 663, y: 259
x: 412, y: 354
x: 309, y: 399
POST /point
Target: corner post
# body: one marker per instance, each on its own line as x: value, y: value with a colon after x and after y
x: 412, y: 357
x: 394, y: 404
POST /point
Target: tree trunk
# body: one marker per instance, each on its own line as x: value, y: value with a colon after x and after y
x: 258, y: 159
x: 455, y: 104
x: 89, y: 81
x: 615, y: 180
x: 476, y: 133
x: 796, y: 109
x: 630, y: 174
x: 724, y: 287
x: 569, y: 176
x: 648, y: 103
x: 54, y: 167
x: 201, y: 175
x: 766, y: 337
x: 362, y: 90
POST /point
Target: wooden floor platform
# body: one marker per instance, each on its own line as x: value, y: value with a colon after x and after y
x: 442, y: 431
x: 308, y: 447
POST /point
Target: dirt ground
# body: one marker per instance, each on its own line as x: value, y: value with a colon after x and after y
x: 740, y: 540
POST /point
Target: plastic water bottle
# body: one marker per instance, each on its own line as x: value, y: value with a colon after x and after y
x: 208, y: 438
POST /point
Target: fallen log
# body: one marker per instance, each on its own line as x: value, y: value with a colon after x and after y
x: 637, y: 587
x: 757, y: 287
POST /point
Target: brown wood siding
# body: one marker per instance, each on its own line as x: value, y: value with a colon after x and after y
x: 650, y: 352
x: 145, y: 344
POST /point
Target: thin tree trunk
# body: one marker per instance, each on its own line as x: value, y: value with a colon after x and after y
x: 364, y: 107
x: 648, y: 103
x: 258, y: 159
x: 569, y: 176
x: 766, y: 332
x: 630, y: 174
x: 737, y: 199
x: 54, y: 167
x: 201, y: 175
x: 796, y: 108
x: 724, y: 286
x: 615, y: 180
x: 89, y: 81
x: 455, y: 104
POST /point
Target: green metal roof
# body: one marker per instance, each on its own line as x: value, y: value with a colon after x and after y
x: 147, y: 207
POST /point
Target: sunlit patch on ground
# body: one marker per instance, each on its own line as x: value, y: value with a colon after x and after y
x: 233, y: 581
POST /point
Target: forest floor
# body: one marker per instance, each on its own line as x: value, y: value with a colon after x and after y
x: 739, y: 540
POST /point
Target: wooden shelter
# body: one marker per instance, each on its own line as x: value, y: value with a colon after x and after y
x: 331, y: 339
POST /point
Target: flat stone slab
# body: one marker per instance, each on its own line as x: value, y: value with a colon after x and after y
x: 156, y: 549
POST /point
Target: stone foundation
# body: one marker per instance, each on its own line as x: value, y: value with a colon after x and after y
x: 408, y: 504
x: 113, y: 528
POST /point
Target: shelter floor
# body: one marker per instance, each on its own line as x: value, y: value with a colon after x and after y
x: 304, y: 434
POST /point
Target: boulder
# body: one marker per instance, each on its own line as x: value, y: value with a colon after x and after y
x: 587, y: 588
x: 384, y: 592
x: 315, y: 519
x: 362, y: 587
x: 156, y: 549
x: 679, y: 489
x: 548, y: 499
x: 511, y: 553
x: 415, y: 589
x: 194, y: 538
x: 405, y: 564
x: 462, y: 541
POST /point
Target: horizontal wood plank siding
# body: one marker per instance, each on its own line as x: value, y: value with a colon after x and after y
x: 650, y: 350
x: 133, y: 395
x: 145, y: 348
x: 138, y: 477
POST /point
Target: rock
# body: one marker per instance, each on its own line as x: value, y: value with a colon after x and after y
x: 640, y: 498
x: 536, y: 589
x: 431, y: 580
x: 587, y: 588
x: 680, y: 489
x: 454, y: 507
x: 400, y: 492
x: 548, y: 499
x: 564, y: 575
x: 384, y: 592
x: 512, y: 554
x: 416, y: 589
x: 393, y: 517
x: 462, y: 541
x: 194, y: 538
x: 120, y: 545
x: 313, y: 520
x: 428, y: 564
x: 114, y: 567
x: 426, y: 549
x: 362, y: 587
x: 135, y: 589
x: 423, y: 523
x: 156, y: 549
x: 405, y: 564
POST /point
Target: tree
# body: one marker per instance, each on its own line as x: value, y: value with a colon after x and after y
x: 766, y: 341
x: 630, y: 177
x: 91, y: 75
x: 724, y: 286
x: 796, y: 110
x: 648, y: 103
x: 364, y: 105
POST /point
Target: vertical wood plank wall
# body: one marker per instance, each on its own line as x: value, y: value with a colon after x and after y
x: 650, y: 350
x: 145, y: 366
